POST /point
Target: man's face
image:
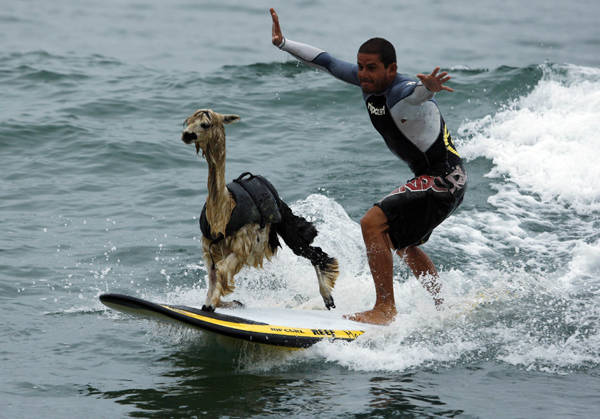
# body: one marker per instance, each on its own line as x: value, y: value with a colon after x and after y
x: 373, y: 76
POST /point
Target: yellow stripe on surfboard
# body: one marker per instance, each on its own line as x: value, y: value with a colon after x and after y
x: 273, y: 329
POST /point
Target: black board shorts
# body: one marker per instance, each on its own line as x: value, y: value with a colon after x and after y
x: 414, y: 209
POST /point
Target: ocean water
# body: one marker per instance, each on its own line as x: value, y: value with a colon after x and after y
x: 98, y: 194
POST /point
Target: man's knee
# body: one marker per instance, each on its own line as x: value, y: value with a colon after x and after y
x: 408, y: 251
x: 374, y: 220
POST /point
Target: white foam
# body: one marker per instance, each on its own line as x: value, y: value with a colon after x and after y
x: 585, y: 265
x: 547, y: 141
x: 539, y: 245
x: 534, y: 352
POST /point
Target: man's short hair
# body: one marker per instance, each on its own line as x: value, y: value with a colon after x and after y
x: 380, y: 46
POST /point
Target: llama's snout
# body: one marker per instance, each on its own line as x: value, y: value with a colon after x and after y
x: 188, y: 137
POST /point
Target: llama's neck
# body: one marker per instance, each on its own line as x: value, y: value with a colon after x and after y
x: 219, y: 202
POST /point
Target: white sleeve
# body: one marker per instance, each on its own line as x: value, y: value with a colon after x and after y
x: 303, y: 52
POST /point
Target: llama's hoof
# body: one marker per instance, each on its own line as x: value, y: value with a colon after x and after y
x: 329, y: 302
x: 209, y: 309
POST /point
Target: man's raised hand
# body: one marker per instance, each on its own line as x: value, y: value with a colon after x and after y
x: 435, y: 82
x: 277, y: 38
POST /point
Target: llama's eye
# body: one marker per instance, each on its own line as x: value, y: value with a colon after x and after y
x: 204, y: 125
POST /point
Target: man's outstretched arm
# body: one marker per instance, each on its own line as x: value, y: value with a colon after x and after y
x: 425, y: 89
x: 313, y: 56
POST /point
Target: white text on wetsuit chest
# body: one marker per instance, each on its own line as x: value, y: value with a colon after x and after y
x: 376, y: 111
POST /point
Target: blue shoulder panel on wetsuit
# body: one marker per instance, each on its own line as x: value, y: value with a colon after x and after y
x: 402, y: 88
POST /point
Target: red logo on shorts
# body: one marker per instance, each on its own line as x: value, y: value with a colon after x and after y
x: 420, y: 184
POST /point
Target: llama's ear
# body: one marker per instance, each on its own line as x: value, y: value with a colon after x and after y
x: 228, y: 119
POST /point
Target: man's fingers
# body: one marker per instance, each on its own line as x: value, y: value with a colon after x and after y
x: 435, y: 82
x: 275, y: 18
x: 276, y: 28
x: 277, y: 36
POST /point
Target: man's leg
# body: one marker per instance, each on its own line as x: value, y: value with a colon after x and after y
x: 374, y: 229
x: 424, y: 269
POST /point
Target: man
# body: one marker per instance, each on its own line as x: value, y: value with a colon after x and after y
x: 402, y: 110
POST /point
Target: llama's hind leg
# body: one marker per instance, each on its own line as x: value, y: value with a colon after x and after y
x: 298, y: 233
x: 327, y: 269
x: 327, y: 272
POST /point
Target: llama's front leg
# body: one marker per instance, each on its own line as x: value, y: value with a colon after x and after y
x: 212, y: 297
x: 226, y: 270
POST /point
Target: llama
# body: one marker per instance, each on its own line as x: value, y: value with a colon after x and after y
x: 241, y: 221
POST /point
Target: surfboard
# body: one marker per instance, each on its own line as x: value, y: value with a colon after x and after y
x: 271, y: 326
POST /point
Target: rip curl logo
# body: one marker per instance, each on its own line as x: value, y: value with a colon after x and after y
x: 420, y: 184
x: 376, y: 111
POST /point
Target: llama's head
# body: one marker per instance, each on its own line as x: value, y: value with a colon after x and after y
x: 205, y: 127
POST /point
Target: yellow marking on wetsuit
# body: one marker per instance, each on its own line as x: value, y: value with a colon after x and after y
x: 447, y: 140
x: 273, y: 329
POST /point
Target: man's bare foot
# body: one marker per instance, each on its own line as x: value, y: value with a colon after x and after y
x: 374, y: 316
